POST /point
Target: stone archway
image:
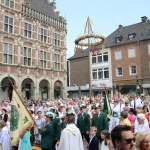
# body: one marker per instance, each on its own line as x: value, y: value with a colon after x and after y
x: 27, y: 88
x: 7, y: 87
x: 44, y: 89
x: 58, y: 89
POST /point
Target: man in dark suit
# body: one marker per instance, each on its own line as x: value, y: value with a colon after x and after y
x: 94, y: 142
x: 99, y: 120
x: 83, y: 122
x: 57, y: 129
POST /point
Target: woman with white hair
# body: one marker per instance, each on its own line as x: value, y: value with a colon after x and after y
x: 141, y: 124
x: 143, y: 141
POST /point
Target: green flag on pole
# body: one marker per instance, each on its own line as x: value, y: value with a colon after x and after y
x: 106, y: 106
x: 21, y: 119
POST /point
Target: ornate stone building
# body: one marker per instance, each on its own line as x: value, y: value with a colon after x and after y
x: 32, y: 49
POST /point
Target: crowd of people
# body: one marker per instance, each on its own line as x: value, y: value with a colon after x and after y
x: 82, y: 124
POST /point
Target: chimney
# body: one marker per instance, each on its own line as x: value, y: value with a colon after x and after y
x: 52, y: 3
x: 120, y: 26
x: 144, y: 19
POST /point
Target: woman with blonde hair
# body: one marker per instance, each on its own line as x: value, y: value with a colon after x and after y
x: 143, y: 141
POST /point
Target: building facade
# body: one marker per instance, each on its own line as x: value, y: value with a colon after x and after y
x: 101, y: 71
x: 78, y: 73
x: 32, y: 49
x: 130, y: 55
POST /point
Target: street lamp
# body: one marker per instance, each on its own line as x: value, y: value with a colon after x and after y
x: 138, y: 91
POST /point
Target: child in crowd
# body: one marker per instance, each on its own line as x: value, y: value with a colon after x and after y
x: 106, y: 141
x: 94, y: 142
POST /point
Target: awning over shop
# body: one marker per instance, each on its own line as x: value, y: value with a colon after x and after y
x: 146, y: 85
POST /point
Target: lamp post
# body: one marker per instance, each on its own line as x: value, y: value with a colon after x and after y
x: 138, y: 91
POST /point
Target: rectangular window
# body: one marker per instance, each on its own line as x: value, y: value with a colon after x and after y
x: 131, y: 36
x: 100, y: 74
x: 43, y: 59
x: 43, y: 35
x: 56, y: 62
x: 119, y: 71
x: 8, y: 53
x: 8, y: 24
x: 57, y: 39
x: 131, y: 53
x: 99, y: 58
x: 26, y: 54
x: 105, y: 57
x: 106, y: 73
x: 118, y: 39
x: 132, y: 70
x: 94, y: 74
x: 62, y: 41
x: 9, y: 3
x: 93, y: 59
x: 27, y: 30
x: 118, y: 55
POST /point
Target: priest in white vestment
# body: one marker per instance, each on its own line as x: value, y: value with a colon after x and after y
x: 71, y: 138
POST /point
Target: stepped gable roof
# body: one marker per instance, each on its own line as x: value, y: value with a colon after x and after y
x: 43, y: 6
x: 80, y: 53
x: 141, y: 31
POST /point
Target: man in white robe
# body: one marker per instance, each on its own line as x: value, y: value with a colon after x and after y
x: 71, y: 137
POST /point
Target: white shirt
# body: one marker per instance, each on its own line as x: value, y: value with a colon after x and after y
x: 141, y: 127
x: 136, y: 102
x: 5, y: 139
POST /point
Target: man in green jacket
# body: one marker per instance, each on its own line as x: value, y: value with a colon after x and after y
x: 99, y: 120
x: 83, y: 122
x: 47, y: 133
x: 57, y: 130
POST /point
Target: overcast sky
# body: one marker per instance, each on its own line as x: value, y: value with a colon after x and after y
x: 106, y: 15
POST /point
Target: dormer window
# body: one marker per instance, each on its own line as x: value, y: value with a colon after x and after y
x: 131, y: 36
x: 118, y: 39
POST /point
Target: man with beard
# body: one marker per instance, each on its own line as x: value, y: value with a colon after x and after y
x: 123, y: 138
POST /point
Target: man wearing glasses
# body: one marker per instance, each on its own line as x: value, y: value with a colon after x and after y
x: 123, y: 138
